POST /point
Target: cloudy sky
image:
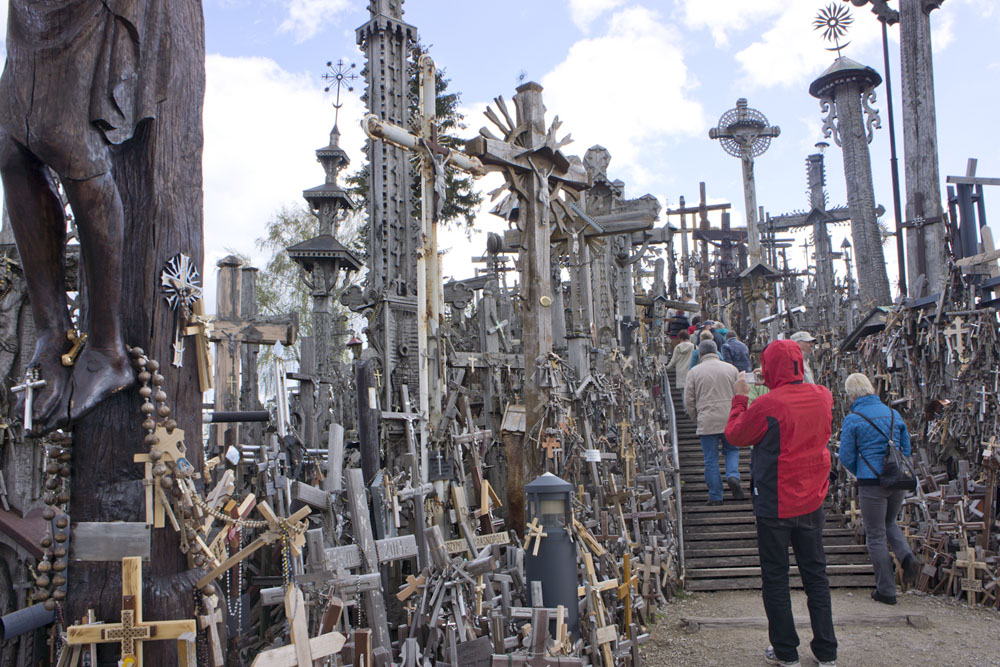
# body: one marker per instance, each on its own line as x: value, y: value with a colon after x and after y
x: 644, y: 78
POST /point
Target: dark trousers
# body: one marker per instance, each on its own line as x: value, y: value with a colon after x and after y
x: 805, y: 535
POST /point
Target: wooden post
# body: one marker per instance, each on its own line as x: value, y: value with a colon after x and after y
x: 159, y: 177
x: 374, y: 603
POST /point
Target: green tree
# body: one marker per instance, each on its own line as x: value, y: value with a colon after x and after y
x: 280, y: 287
x: 462, y: 201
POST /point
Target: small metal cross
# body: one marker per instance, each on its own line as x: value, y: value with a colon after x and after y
x: 32, y: 381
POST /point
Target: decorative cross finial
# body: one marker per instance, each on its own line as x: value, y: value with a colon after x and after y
x: 834, y: 20
x: 340, y: 74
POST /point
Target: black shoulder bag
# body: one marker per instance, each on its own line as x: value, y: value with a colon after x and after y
x: 897, y: 473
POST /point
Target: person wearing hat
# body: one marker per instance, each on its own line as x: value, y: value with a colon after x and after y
x: 708, y: 396
x: 806, y: 343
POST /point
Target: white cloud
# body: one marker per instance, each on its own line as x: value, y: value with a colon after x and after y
x: 307, y: 17
x: 791, y: 53
x: 722, y: 17
x: 605, y: 93
x: 585, y: 12
x: 262, y: 126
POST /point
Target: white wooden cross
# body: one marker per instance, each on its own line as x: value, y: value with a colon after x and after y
x: 303, y: 649
x: 434, y: 157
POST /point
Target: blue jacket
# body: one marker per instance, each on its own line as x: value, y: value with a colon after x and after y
x: 735, y: 352
x: 859, y: 437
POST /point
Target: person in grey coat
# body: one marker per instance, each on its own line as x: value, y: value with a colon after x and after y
x: 708, y: 396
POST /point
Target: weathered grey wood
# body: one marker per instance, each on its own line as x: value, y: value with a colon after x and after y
x: 112, y: 541
x: 361, y: 523
x: 310, y: 495
x: 334, y: 480
x: 842, y: 90
x: 920, y: 146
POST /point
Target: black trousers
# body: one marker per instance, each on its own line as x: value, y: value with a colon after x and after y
x: 805, y: 535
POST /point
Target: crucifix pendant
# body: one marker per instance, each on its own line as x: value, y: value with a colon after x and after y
x: 32, y: 381
x: 177, y: 360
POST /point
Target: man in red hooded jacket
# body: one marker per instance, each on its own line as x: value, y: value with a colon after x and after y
x: 789, y: 430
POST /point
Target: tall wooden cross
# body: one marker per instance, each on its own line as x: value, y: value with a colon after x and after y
x: 536, y: 171
x: 302, y: 650
x: 434, y: 158
x: 133, y: 631
x: 230, y: 331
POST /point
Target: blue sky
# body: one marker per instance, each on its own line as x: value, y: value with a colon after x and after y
x: 644, y: 78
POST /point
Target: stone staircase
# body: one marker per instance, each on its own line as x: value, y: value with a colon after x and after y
x: 720, y: 542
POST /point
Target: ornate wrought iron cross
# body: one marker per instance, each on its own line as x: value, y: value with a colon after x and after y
x: 340, y: 75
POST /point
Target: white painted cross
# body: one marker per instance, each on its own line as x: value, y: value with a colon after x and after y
x: 434, y: 158
x: 32, y: 381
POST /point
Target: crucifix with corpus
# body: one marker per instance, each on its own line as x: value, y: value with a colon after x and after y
x: 434, y: 159
x: 536, y: 173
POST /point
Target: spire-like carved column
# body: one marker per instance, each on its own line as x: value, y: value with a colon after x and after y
x: 846, y: 92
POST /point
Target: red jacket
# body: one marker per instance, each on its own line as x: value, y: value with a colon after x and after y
x: 789, y: 429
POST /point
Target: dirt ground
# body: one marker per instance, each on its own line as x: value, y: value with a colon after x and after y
x: 959, y: 635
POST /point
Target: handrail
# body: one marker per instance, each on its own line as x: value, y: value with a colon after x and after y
x: 669, y: 397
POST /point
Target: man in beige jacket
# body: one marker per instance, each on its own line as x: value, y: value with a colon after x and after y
x: 708, y: 396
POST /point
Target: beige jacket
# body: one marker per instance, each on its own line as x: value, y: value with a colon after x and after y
x: 680, y: 360
x: 708, y: 394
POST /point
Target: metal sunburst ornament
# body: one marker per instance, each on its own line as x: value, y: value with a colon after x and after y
x: 834, y: 20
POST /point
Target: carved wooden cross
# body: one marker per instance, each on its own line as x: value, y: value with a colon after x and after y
x: 210, y: 620
x: 970, y: 582
x: 959, y: 332
x: 536, y: 172
x: 551, y: 446
x: 132, y: 630
x: 231, y: 330
x: 303, y: 649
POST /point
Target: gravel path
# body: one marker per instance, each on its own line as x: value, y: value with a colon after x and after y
x: 958, y: 635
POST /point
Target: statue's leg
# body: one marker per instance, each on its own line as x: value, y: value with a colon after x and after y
x: 39, y: 225
x: 103, y: 367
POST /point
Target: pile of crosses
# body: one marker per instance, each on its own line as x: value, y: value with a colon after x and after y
x: 937, y: 361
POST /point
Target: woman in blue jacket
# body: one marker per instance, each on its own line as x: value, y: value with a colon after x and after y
x: 863, y: 442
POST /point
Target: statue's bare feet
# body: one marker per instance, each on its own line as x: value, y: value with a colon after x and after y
x: 98, y: 374
x: 51, y: 401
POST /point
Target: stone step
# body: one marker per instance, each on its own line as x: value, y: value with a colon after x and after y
x: 754, y: 583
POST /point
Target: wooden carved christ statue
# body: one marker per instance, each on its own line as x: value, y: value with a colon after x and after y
x: 80, y: 77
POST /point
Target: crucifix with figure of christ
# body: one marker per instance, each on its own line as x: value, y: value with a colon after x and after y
x: 434, y: 159
x: 536, y: 173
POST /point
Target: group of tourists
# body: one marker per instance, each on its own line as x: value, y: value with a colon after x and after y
x: 786, y: 419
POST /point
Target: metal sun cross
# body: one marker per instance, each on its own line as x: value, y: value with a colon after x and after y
x: 340, y: 75
x: 834, y: 20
